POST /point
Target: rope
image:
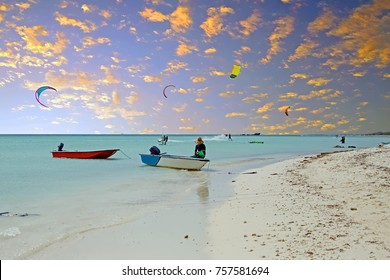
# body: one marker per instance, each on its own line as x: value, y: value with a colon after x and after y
x: 125, y: 154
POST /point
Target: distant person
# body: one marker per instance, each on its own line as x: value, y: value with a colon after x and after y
x: 342, y: 139
x: 230, y: 137
x: 165, y: 139
x: 200, y: 148
x: 60, y: 147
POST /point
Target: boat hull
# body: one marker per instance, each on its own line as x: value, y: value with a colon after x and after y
x: 174, y: 161
x: 100, y: 154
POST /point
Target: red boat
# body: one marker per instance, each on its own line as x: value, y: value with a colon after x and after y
x: 100, y: 154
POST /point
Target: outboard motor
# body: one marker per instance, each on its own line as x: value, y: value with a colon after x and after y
x: 154, y: 150
x: 60, y: 147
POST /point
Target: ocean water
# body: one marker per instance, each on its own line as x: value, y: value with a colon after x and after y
x: 51, y: 199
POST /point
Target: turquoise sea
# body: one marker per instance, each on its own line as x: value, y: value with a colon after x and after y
x: 49, y: 199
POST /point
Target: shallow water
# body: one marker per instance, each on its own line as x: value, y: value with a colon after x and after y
x: 63, y: 197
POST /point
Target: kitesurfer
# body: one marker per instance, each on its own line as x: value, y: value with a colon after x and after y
x: 342, y: 139
x: 200, y: 148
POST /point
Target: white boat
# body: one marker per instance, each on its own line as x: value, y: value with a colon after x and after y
x: 174, y: 161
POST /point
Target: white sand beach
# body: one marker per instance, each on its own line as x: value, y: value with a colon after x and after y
x: 323, y: 207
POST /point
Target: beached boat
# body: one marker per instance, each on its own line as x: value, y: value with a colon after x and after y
x: 99, y: 154
x: 174, y: 161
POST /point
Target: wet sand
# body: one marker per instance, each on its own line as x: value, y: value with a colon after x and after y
x: 322, y: 207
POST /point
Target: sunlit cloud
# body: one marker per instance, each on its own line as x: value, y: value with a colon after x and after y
x: 235, y: 114
x: 174, y: 66
x: 180, y: 19
x: 304, y: 49
x: 317, y: 82
x: 284, y: 26
x: 256, y: 97
x: 152, y: 15
x: 364, y: 35
x: 188, y: 128
x: 249, y: 25
x: 242, y: 50
x: 152, y: 79
x: 267, y: 107
x: 328, y: 126
x: 210, y: 51
x: 324, y: 22
x: 32, y: 37
x: 184, y: 49
x: 213, y: 25
x: 86, y: 26
x: 180, y: 109
x: 198, y: 79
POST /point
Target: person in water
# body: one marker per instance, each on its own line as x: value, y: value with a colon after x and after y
x: 342, y: 139
x: 200, y: 148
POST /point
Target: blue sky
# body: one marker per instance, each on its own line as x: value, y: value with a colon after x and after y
x: 110, y: 61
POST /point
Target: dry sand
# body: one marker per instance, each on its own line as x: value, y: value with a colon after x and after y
x: 323, y: 207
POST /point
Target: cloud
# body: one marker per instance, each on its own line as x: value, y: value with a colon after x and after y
x: 304, y: 49
x: 289, y: 95
x: 152, y: 79
x: 267, y: 107
x: 227, y: 93
x: 210, y: 51
x: 188, y: 128
x: 328, y: 126
x: 151, y: 15
x: 235, y: 114
x: 174, y: 66
x: 256, y: 97
x: 180, y: 19
x: 89, y: 41
x: 86, y: 26
x: 284, y: 26
x: 32, y: 37
x: 364, y: 37
x: 184, y: 49
x: 324, y: 22
x: 213, y: 25
x: 249, y: 25
x: 317, y: 82
x: 198, y: 79
x: 180, y: 109
x: 242, y: 50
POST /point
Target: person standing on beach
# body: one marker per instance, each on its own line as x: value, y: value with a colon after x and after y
x: 200, y: 148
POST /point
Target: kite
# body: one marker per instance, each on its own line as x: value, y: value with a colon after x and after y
x: 286, y: 111
x: 165, y: 89
x: 236, y: 69
x: 39, y: 91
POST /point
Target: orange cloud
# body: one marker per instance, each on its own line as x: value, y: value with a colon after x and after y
x: 363, y: 37
x: 303, y: 49
x: 198, y: 79
x: 180, y: 19
x: 210, y: 51
x: 265, y: 108
x: 323, y: 22
x: 151, y: 15
x: 235, y: 114
x: 213, y: 25
x: 184, y: 49
x: 317, y: 82
x: 250, y: 24
x: 86, y: 26
x: 31, y: 36
x: 256, y: 97
x: 284, y: 26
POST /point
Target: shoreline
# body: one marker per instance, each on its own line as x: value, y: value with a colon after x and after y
x: 299, y: 208
x: 324, y: 207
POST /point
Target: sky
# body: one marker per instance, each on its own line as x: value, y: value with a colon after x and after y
x: 110, y: 60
